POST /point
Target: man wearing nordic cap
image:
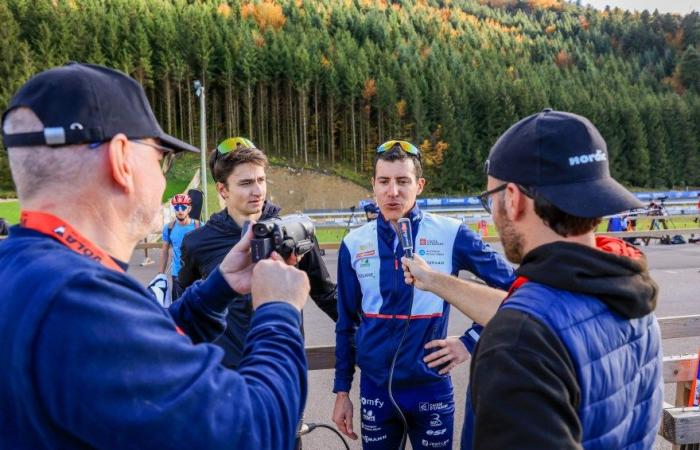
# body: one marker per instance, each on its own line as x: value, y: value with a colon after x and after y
x: 572, y: 357
x: 89, y: 359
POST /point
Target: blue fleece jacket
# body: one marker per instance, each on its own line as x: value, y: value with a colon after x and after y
x: 89, y: 359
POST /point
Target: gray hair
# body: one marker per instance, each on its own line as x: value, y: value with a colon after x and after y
x: 40, y: 170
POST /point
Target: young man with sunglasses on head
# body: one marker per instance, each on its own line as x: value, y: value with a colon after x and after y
x: 173, y: 234
x: 395, y: 333
x: 239, y: 170
x: 89, y: 359
x: 576, y: 338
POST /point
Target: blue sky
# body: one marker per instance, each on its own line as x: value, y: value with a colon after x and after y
x: 672, y: 6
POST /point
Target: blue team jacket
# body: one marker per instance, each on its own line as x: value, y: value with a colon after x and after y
x: 90, y: 360
x: 374, y: 302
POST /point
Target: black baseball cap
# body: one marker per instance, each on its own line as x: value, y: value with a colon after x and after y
x: 84, y: 103
x: 563, y: 158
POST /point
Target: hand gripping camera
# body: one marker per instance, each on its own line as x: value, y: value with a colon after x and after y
x: 291, y: 234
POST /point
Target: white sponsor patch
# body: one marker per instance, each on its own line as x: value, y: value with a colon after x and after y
x: 435, y: 420
x: 436, y: 432
x: 427, y: 406
x: 374, y: 439
x: 371, y: 402
x: 588, y: 158
x: 440, y: 444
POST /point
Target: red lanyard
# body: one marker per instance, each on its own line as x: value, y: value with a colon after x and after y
x: 58, y: 229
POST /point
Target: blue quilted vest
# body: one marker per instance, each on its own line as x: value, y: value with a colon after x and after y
x: 618, y: 364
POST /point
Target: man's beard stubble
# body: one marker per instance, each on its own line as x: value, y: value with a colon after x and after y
x: 511, y: 240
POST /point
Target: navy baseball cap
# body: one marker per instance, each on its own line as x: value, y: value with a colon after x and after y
x: 563, y: 158
x: 85, y: 103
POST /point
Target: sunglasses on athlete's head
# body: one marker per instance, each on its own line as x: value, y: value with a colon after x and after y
x: 404, y: 145
x: 486, y: 197
x: 165, y: 162
x: 180, y: 207
x: 233, y: 144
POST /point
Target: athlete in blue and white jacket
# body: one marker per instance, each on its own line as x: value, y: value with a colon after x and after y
x: 375, y: 306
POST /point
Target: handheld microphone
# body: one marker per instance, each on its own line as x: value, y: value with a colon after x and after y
x: 406, y: 236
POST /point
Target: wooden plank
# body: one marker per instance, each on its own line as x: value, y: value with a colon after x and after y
x: 676, y: 369
x: 680, y: 368
x: 321, y: 357
x: 680, y: 326
x: 681, y: 425
x: 148, y: 246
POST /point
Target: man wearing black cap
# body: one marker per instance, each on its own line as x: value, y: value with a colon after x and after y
x: 89, y: 359
x: 572, y: 357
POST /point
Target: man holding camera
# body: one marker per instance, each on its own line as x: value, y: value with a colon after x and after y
x: 576, y: 338
x: 238, y: 168
x: 395, y: 333
x: 89, y: 359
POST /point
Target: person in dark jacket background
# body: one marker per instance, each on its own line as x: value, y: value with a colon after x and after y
x: 576, y: 339
x: 239, y: 170
x: 89, y: 359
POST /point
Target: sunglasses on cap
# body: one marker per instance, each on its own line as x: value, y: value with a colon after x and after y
x: 405, y: 146
x: 180, y: 207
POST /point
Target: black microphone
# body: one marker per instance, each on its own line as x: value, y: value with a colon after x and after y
x: 406, y: 236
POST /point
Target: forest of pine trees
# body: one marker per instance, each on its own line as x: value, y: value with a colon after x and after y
x: 322, y: 82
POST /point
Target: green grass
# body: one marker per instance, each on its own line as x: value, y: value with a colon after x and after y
x: 10, y: 211
x: 180, y: 174
x: 329, y: 235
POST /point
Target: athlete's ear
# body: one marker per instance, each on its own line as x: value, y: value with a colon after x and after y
x: 421, y: 185
x: 120, y: 168
x: 222, y: 190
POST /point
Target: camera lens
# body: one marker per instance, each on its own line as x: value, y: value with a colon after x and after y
x: 262, y: 229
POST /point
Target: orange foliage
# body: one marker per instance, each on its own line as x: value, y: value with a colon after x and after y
x: 676, y: 39
x: 550, y: 29
x: 324, y: 61
x: 396, y: 7
x: 267, y: 14
x: 583, y: 22
x: 433, y: 155
x: 401, y: 108
x: 247, y: 10
x: 425, y: 52
x: 675, y: 83
x: 370, y: 89
x: 563, y: 60
x: 545, y: 4
x: 224, y: 10
x: 445, y: 14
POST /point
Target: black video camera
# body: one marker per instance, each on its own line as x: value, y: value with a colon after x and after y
x: 291, y: 234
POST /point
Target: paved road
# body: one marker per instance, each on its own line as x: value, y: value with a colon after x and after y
x: 675, y: 268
